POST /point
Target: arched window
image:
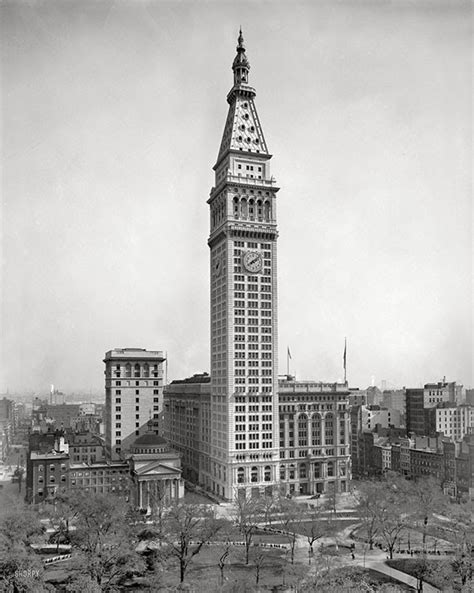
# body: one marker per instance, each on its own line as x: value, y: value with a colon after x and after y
x: 236, y: 207
x: 302, y: 471
x: 128, y: 370
x: 342, y: 430
x: 259, y: 210
x: 303, y: 431
x: 292, y: 471
x: 243, y: 208
x: 267, y: 473
x: 330, y: 469
x: 282, y: 472
x: 317, y: 470
x: 251, y: 209
x: 329, y: 429
x: 254, y: 474
x: 146, y: 369
x: 316, y: 430
x: 342, y: 468
x: 267, y: 210
x: 137, y: 370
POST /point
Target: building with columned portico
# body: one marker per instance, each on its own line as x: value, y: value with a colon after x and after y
x: 155, y: 471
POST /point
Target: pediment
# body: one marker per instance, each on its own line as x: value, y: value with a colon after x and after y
x: 156, y: 469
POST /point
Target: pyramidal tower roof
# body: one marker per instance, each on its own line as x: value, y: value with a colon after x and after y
x: 242, y: 131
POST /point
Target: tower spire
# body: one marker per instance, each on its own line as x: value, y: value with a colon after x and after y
x: 240, y: 65
x: 242, y: 131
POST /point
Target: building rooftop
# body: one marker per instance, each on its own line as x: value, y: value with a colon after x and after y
x: 151, y: 439
x: 134, y: 354
x: 197, y: 378
x: 285, y: 386
x: 50, y: 455
x: 99, y: 465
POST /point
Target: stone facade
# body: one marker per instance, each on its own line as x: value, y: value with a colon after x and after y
x: 133, y: 393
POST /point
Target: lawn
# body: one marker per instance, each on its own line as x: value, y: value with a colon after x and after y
x: 350, y: 579
x: 435, y: 572
x: 203, y: 573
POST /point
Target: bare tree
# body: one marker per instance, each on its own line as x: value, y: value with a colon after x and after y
x: 102, y: 539
x: 313, y: 526
x: 158, y: 502
x: 462, y: 522
x: 426, y: 499
x: 259, y: 559
x: 291, y: 518
x: 270, y: 505
x: 186, y: 529
x: 222, y: 561
x: 392, y: 524
x: 368, y: 498
x: 248, y: 514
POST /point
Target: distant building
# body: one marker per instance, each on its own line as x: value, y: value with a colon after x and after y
x: 86, y: 447
x: 415, y: 412
x: 452, y: 463
x: 373, y: 416
x: 395, y: 399
x: 452, y: 420
x: 87, y: 409
x: 470, y: 397
x: 357, y: 397
x: 382, y: 457
x: 374, y: 396
x: 47, y: 471
x: 435, y: 393
x: 133, y: 395
x: 60, y: 416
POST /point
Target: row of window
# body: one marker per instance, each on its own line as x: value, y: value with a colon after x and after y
x: 137, y: 383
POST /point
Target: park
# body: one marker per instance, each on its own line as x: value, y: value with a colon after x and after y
x: 386, y: 535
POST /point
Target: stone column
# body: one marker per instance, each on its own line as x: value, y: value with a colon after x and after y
x: 287, y: 431
x: 323, y: 431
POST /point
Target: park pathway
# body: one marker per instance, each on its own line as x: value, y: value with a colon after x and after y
x: 380, y: 566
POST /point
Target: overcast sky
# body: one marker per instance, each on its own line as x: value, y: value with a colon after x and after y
x: 112, y: 116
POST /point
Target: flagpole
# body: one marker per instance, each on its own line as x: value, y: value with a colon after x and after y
x: 287, y: 362
x: 345, y: 361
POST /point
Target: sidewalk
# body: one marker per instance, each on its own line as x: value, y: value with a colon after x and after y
x: 381, y: 567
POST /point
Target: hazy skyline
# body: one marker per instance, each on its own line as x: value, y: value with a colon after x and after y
x: 112, y: 116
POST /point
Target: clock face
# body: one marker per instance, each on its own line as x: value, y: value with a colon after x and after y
x: 252, y: 261
x: 218, y: 266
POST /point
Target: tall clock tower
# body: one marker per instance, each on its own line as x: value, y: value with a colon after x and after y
x: 244, y: 439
